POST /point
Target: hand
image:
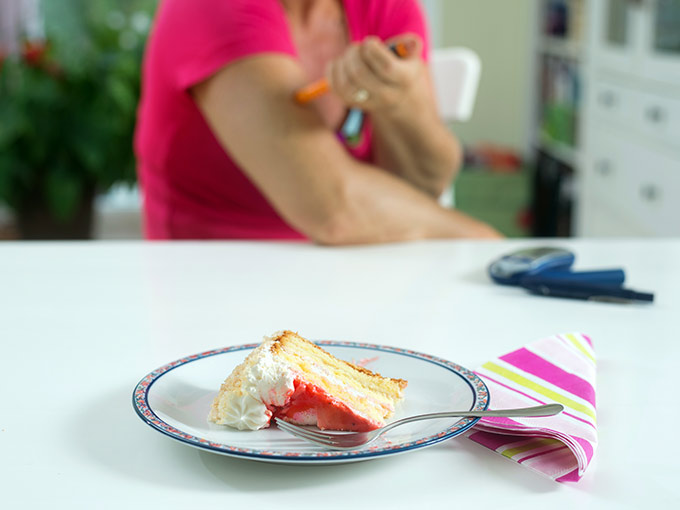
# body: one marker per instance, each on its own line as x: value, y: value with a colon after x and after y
x: 371, y: 77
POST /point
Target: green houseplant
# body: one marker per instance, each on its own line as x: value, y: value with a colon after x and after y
x: 67, y: 115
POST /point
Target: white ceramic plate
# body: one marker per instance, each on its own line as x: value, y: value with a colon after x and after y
x: 175, y: 400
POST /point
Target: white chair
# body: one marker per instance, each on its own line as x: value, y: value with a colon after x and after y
x: 455, y: 74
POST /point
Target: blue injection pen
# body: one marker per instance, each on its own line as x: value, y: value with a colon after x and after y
x: 355, y: 117
x: 577, y: 290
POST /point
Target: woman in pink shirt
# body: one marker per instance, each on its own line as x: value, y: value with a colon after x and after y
x: 226, y: 153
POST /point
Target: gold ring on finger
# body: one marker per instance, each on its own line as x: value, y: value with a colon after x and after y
x: 361, y: 96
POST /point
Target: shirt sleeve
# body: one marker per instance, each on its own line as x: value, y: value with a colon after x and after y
x: 199, y: 37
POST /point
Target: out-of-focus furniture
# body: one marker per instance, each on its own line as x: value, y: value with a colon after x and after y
x: 117, y: 214
x: 456, y: 73
x: 608, y: 118
x: 630, y: 183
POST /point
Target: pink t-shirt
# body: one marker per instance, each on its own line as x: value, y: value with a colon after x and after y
x: 192, y: 188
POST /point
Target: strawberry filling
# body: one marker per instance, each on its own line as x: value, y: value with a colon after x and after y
x: 311, y: 405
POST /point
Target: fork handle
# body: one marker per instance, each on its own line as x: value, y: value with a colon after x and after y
x: 544, y: 410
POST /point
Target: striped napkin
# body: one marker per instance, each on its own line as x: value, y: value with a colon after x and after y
x: 556, y: 369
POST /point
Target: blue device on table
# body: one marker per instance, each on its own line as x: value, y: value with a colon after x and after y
x: 586, y: 291
x: 534, y: 265
x: 547, y: 271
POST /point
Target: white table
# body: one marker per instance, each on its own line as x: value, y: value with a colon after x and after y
x: 82, y: 323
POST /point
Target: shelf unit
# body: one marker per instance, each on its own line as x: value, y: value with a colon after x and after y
x: 560, y: 60
x: 608, y: 149
x: 630, y: 169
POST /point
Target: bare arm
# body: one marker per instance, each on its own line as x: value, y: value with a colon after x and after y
x: 410, y: 139
x: 302, y: 169
x: 417, y: 147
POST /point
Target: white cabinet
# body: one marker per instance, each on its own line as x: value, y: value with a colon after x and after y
x: 628, y: 189
x: 640, y: 37
x: 661, y: 41
x: 654, y: 117
x: 615, y: 32
x: 629, y: 182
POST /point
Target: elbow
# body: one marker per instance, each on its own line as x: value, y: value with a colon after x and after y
x: 331, y: 220
x: 345, y: 221
x: 335, y: 229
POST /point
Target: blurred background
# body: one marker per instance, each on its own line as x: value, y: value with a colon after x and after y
x: 575, y: 130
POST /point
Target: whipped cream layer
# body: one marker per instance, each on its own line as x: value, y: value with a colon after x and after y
x: 264, y: 381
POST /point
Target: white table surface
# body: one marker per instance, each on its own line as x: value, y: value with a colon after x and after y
x: 81, y: 323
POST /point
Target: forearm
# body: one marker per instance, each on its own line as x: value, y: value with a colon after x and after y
x: 413, y: 143
x: 334, y: 199
x: 378, y: 207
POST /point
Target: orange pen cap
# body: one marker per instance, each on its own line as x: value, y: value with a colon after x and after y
x: 312, y: 91
x: 320, y: 87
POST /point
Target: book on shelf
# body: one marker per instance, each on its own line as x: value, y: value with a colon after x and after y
x: 564, y: 19
x: 559, y: 100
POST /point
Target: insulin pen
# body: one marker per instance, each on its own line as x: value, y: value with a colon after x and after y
x: 320, y: 87
x: 607, y: 293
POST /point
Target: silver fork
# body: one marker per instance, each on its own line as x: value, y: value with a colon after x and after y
x: 353, y: 440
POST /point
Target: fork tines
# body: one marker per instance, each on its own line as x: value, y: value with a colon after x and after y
x: 308, y: 434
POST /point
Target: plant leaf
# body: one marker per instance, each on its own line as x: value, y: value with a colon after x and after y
x: 63, y: 193
x: 12, y: 124
x: 122, y: 95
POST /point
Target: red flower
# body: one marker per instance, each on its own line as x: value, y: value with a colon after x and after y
x: 33, y: 52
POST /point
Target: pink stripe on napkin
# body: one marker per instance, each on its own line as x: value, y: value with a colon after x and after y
x: 534, y: 364
x: 556, y: 369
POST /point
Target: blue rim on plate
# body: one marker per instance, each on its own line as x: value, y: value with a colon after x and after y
x: 146, y: 413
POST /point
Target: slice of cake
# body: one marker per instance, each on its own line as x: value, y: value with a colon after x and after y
x: 291, y: 378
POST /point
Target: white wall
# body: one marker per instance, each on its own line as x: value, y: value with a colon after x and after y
x: 502, y: 33
x: 19, y: 19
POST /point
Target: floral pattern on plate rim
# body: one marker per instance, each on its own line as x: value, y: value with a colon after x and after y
x: 141, y: 404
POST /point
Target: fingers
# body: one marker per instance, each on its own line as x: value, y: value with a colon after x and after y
x: 384, y: 62
x: 411, y: 43
x: 371, y: 66
x: 359, y: 73
x: 350, y: 74
x: 379, y: 59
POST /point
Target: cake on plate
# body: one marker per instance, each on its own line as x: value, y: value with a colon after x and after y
x: 291, y: 378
